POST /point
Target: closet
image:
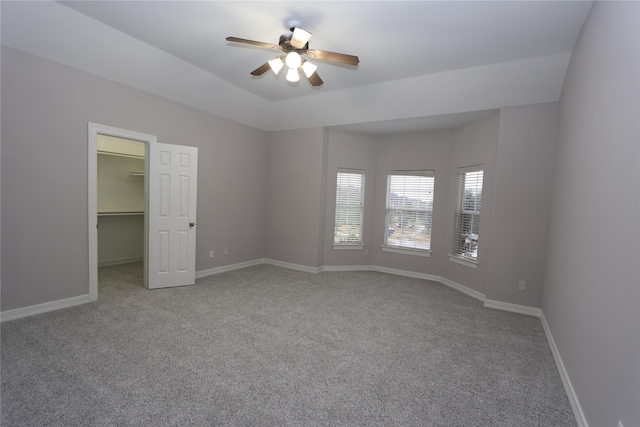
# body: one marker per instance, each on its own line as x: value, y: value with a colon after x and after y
x: 121, y: 200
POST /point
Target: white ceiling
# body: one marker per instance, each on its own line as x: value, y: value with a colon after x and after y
x: 422, y: 63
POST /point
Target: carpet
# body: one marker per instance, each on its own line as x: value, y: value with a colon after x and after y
x: 269, y: 346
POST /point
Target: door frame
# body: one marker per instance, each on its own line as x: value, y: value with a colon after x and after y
x: 92, y: 179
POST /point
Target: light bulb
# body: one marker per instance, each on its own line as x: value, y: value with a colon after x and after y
x: 309, y: 68
x: 293, y: 60
x: 299, y: 38
x: 276, y: 65
x: 292, y: 75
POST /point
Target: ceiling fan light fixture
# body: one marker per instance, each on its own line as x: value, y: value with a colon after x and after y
x: 309, y: 68
x: 293, y: 60
x: 294, y: 44
x: 292, y: 75
x: 276, y: 65
x: 300, y: 38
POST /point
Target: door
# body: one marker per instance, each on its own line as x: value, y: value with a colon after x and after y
x: 172, y: 187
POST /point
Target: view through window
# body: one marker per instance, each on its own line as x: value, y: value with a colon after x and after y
x: 409, y: 209
x: 467, y: 216
x: 349, y: 207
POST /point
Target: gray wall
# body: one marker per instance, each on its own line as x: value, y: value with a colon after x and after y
x: 472, y: 144
x: 520, y: 218
x: 45, y: 111
x: 516, y: 148
x: 350, y: 151
x: 412, y: 151
x: 261, y: 195
x: 120, y: 239
x: 296, y: 202
x: 591, y: 292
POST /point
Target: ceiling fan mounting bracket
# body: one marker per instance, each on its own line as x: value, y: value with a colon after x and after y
x: 294, y: 24
x: 285, y: 44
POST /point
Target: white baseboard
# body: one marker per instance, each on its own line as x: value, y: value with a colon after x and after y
x: 291, y: 266
x: 43, y: 308
x: 514, y: 308
x: 450, y: 283
x: 406, y: 273
x: 225, y: 268
x: 581, y: 420
x: 119, y: 261
x: 69, y: 302
x: 338, y: 268
x: 465, y: 290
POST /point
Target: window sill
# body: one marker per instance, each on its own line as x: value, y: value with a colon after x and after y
x: 348, y: 247
x: 463, y: 261
x: 407, y: 251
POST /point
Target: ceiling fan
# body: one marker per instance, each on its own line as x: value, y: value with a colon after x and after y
x: 295, y: 44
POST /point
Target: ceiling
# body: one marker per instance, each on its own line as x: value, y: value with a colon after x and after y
x: 423, y: 64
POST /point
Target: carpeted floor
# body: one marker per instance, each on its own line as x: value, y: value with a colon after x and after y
x: 267, y: 346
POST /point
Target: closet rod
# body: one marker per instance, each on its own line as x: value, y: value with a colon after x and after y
x: 130, y: 156
x: 132, y: 213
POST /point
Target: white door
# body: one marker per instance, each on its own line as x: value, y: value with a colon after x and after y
x: 173, y: 171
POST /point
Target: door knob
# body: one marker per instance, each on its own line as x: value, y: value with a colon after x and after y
x: 191, y: 224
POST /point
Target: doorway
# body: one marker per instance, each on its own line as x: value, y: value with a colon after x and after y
x: 121, y: 211
x: 130, y: 209
x: 170, y: 200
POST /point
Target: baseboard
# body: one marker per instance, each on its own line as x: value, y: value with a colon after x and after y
x: 119, y: 261
x: 564, y: 375
x: 225, y: 268
x: 405, y: 273
x: 291, y: 266
x: 43, y: 308
x: 55, y: 305
x: 514, y: 308
x: 458, y: 287
x: 450, y: 283
x: 339, y: 268
x: 498, y: 305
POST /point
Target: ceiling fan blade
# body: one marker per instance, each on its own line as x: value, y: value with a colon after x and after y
x: 254, y: 43
x: 261, y: 69
x: 315, y: 80
x: 333, y: 56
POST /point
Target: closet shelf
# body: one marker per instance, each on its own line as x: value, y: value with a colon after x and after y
x: 130, y: 156
x: 120, y: 213
x: 136, y: 173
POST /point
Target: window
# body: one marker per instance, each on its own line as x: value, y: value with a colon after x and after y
x: 409, y: 212
x: 467, y: 216
x: 349, y: 209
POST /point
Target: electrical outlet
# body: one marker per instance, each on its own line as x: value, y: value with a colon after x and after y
x: 366, y: 252
x: 522, y: 285
x: 210, y: 254
x: 226, y: 251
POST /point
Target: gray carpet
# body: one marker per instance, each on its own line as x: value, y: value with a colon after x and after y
x: 267, y: 346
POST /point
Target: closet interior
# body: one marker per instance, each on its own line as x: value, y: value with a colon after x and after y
x: 121, y: 201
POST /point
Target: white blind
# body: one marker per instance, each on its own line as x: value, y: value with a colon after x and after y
x: 349, y: 206
x: 409, y: 209
x: 467, y: 215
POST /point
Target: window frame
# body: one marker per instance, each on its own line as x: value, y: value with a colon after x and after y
x: 456, y: 256
x: 428, y: 211
x: 347, y: 245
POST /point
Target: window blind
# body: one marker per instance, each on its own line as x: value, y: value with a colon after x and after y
x: 349, y: 206
x: 409, y: 209
x: 467, y: 215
